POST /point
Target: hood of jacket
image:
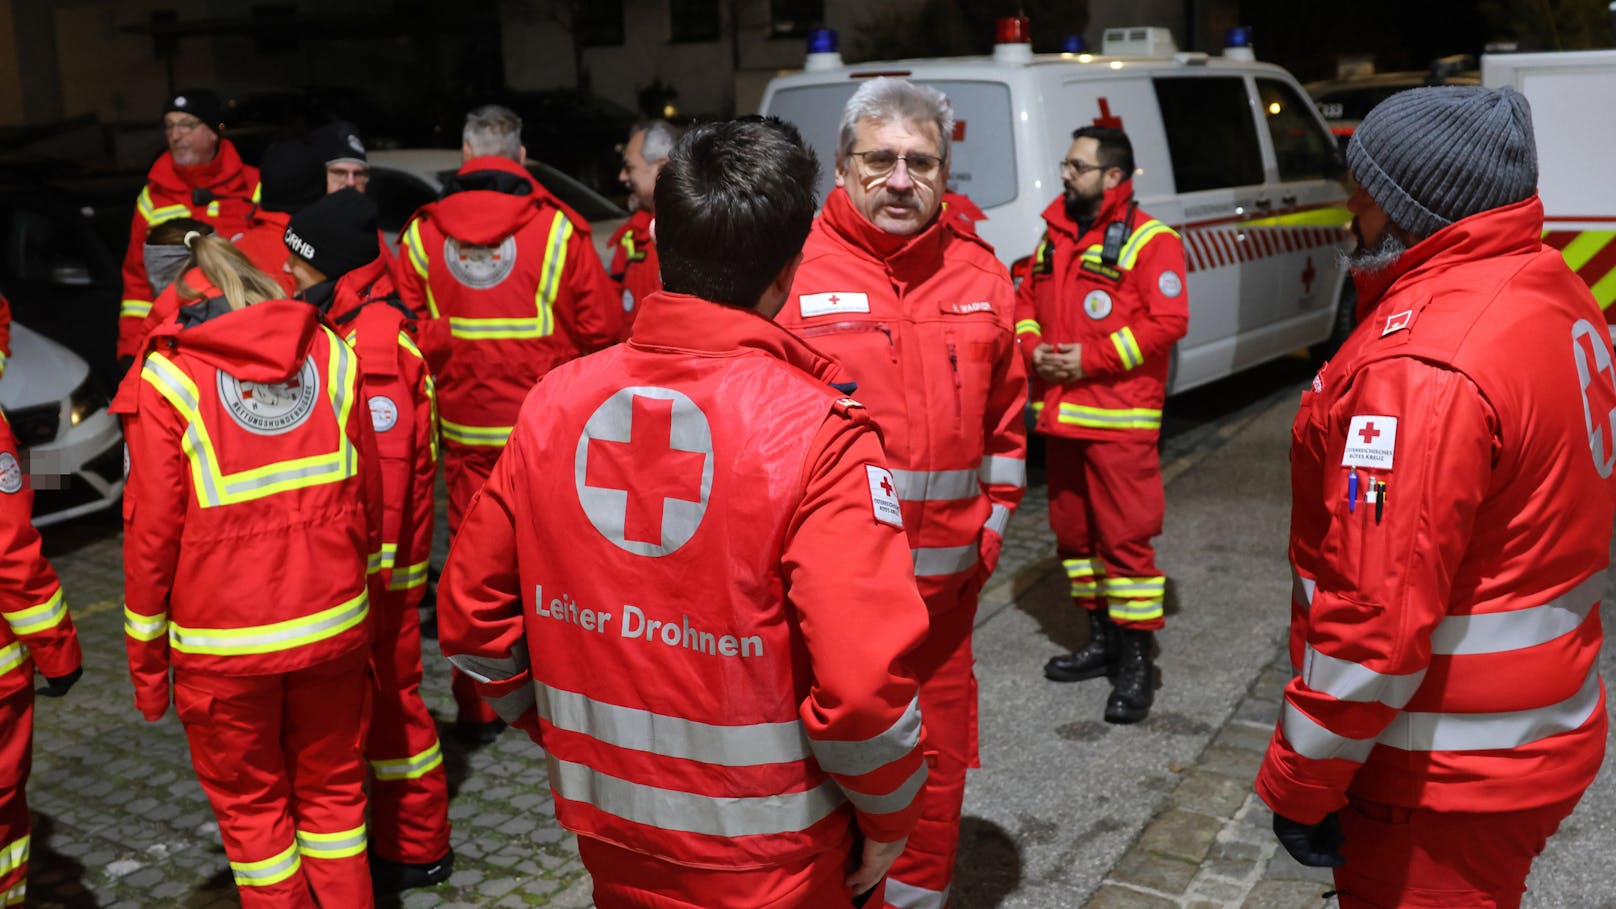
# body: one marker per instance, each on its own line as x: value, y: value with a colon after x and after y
x: 487, y: 200
x: 684, y: 322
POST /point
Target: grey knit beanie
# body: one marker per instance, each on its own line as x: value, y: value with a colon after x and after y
x: 1431, y: 156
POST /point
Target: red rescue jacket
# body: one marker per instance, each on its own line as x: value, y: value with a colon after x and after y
x: 1126, y: 316
x: 252, y: 509
x: 508, y: 286
x: 222, y: 192
x: 635, y: 269
x: 923, y: 325
x: 37, y: 630
x: 732, y: 553
x: 264, y: 244
x: 1446, y: 623
x: 5, y: 332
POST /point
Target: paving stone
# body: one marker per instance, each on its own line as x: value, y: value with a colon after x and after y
x: 1158, y: 872
x: 1233, y: 762
x: 1245, y: 738
x: 1209, y: 793
x: 1113, y: 897
x: 1286, y: 895
x: 1228, y: 893
x: 1180, y: 834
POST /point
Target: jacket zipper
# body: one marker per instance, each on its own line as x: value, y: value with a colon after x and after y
x: 959, y: 386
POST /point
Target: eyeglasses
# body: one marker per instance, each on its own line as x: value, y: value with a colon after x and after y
x: 1079, y: 167
x: 181, y: 126
x: 357, y: 174
x: 882, y: 161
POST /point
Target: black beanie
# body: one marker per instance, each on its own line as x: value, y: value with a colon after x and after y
x: 292, y: 178
x: 337, y: 234
x: 199, y: 103
x: 337, y: 141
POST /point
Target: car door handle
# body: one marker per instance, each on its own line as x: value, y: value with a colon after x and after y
x: 1289, y: 201
x: 1263, y: 204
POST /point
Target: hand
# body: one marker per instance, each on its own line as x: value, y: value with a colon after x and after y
x: 1318, y: 845
x: 1058, y: 363
x: 56, y: 686
x: 152, y: 700
x: 878, y: 859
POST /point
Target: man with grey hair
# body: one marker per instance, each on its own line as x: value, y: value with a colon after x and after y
x: 507, y: 286
x: 918, y: 309
x: 1454, y: 488
x: 634, y: 266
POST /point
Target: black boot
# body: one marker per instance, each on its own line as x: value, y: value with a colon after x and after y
x: 1134, y: 688
x: 1096, y: 658
x: 388, y: 876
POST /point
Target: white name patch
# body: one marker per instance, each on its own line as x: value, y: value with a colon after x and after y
x: 1371, y: 440
x: 832, y: 303
x: 884, y: 496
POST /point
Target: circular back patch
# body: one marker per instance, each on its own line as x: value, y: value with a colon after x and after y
x: 480, y: 267
x: 1170, y: 284
x: 10, y: 473
x: 644, y: 469
x: 271, y: 409
x: 1097, y: 304
x: 383, y: 413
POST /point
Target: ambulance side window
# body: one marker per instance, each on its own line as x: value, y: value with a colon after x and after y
x: 1210, y: 132
x: 1302, y: 149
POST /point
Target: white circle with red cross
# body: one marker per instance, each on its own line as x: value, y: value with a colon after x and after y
x: 644, y: 469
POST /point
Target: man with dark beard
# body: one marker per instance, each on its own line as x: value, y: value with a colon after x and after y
x: 1097, y: 318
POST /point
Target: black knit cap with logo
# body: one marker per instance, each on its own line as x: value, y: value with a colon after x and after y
x: 291, y: 176
x: 336, y: 234
x: 200, y: 103
x: 1432, y: 156
x: 338, y: 141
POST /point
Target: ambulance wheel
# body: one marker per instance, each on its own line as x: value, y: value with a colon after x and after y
x: 1346, y: 319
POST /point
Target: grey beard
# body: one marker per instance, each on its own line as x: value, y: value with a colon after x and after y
x: 1374, y: 261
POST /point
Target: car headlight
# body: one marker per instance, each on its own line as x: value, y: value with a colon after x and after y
x: 86, y: 400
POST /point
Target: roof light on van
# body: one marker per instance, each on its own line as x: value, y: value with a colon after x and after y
x: 1073, y: 44
x: 1014, y: 41
x: 1237, y: 43
x: 823, y: 50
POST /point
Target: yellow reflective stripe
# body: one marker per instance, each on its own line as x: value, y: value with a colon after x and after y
x: 143, y: 203
x: 431, y: 390
x: 1041, y: 255
x: 1134, y: 610
x: 1029, y: 325
x: 555, y: 261
x: 213, y: 209
x: 373, y: 563
x: 1037, y: 408
x: 35, y: 619
x: 13, y: 855
x: 388, y: 554
x: 1333, y: 216
x: 412, y: 242
x: 411, y: 768
x: 500, y: 329
x: 628, y: 243
x: 1127, y: 348
x: 269, y: 871
x: 1135, y: 587
x: 144, y: 627
x: 1148, y: 231
x: 134, y: 309
x: 408, y: 577
x: 327, y: 623
x: 461, y: 434
x: 11, y: 656
x: 169, y: 213
x: 15, y: 896
x: 1106, y: 418
x: 1604, y: 290
x: 331, y: 845
x: 1082, y: 574
x: 258, y: 192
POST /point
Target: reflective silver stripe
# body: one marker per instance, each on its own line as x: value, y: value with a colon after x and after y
x: 1500, y: 631
x: 998, y: 470
x: 1302, y: 589
x: 642, y: 730
x: 270, y: 638
x: 1488, y: 731
x: 1348, y: 681
x: 857, y: 758
x: 144, y: 628
x: 908, y: 896
x: 891, y: 802
x: 943, y: 560
x: 492, y: 669
x: 1311, y: 740
x: 998, y: 519
x: 286, y: 475
x: 512, y: 707
x: 936, y: 485
x: 331, y: 845
x: 670, y: 809
x: 269, y: 871
x: 410, y: 768
x: 12, y: 656
x: 34, y: 619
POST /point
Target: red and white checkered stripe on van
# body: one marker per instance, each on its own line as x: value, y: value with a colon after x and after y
x: 1218, y: 246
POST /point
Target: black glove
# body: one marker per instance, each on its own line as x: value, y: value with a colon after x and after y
x: 1318, y: 844
x: 56, y: 686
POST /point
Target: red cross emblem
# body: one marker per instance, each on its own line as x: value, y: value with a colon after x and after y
x: 644, y: 469
x: 1308, y: 274
x: 886, y: 486
x: 835, y: 299
x: 1369, y: 433
x: 1105, y: 118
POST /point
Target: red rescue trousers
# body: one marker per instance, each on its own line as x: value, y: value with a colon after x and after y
x: 16, y: 759
x: 1423, y: 859
x: 1105, y: 506
x: 625, y: 879
x: 409, y: 792
x: 465, y: 469
x: 945, y: 668
x: 280, y: 759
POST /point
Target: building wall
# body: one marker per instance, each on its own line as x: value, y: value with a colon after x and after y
x: 11, y: 106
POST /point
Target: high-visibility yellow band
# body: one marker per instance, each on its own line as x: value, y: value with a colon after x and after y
x: 16, y: 896
x: 461, y: 434
x: 1135, y: 587
x: 1085, y: 589
x: 1029, y: 326
x: 500, y: 329
x: 1083, y: 568
x: 1147, y: 232
x: 331, y: 845
x: 134, y: 309
x: 1318, y: 217
x: 373, y: 563
x: 13, y: 855
x: 258, y: 192
x: 411, y: 768
x: 1106, y: 418
x: 1127, y: 348
x: 310, y: 629
x: 144, y: 627
x: 1134, y: 610
x: 35, y: 619
x: 408, y: 577
x: 11, y: 656
x: 417, y: 253
x: 269, y: 871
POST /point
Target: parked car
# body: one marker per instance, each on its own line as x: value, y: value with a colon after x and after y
x: 402, y: 180
x: 72, y: 448
x: 1345, y: 102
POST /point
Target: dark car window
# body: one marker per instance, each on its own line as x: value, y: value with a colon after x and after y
x: 1302, y: 149
x: 578, y: 197
x: 397, y: 196
x: 1210, y: 133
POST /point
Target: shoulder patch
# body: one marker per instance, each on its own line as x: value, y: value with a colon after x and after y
x: 884, y: 496
x: 833, y: 303
x: 10, y: 473
x: 1397, y: 322
x: 1170, y: 284
x: 1371, y: 442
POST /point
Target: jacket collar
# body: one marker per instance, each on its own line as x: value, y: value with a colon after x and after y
x: 225, y: 167
x: 1112, y: 208
x: 674, y: 321
x: 914, y: 255
x: 1508, y: 230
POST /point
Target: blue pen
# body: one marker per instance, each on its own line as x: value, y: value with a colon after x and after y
x: 1352, y: 490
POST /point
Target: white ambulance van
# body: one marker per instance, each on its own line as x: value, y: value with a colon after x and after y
x: 1573, y: 97
x: 1229, y: 151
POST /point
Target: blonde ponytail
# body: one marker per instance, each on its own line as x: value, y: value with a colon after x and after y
x: 230, y: 271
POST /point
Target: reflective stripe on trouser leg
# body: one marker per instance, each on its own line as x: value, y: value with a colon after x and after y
x: 331, y: 703
x: 16, y: 750
x: 465, y: 469
x: 943, y: 663
x: 409, y: 793
x: 1135, y: 602
x: 1085, y: 575
x: 1125, y: 502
